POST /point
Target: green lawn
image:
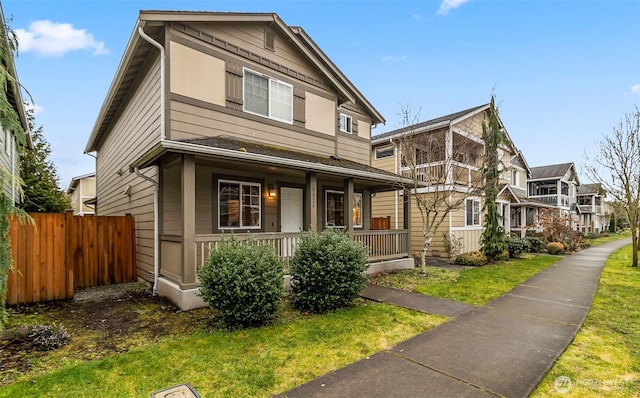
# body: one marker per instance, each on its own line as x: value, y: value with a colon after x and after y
x: 476, y: 286
x: 248, y: 363
x: 604, y: 359
x: 612, y: 237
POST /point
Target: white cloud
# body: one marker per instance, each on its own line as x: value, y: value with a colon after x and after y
x: 636, y: 89
x: 37, y: 109
x: 447, y: 5
x: 390, y: 58
x: 55, y: 39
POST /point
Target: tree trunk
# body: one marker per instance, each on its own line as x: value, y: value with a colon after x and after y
x: 423, y: 255
x: 634, y: 247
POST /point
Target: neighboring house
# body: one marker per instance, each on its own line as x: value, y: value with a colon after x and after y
x: 81, y: 190
x: 591, y: 209
x: 233, y: 123
x: 9, y: 151
x: 460, y: 143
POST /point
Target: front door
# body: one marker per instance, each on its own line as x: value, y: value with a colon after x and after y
x: 291, y: 213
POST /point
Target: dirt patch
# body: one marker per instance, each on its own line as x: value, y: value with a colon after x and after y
x: 101, y: 323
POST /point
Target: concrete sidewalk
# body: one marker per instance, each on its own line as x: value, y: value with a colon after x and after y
x: 501, y: 349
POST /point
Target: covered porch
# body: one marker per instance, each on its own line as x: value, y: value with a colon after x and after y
x: 214, y: 188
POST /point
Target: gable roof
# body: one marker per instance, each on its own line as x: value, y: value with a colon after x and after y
x: 153, y: 23
x: 76, y: 180
x: 551, y: 171
x: 591, y: 189
x: 431, y: 124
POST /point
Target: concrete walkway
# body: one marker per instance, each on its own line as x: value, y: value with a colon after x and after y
x: 501, y: 349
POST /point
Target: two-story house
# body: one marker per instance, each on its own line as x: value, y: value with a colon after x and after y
x: 9, y: 151
x: 82, y: 189
x: 591, y: 209
x: 233, y: 123
x: 447, y: 154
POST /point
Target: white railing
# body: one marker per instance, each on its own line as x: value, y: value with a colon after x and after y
x: 382, y: 244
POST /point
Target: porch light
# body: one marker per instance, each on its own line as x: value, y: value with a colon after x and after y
x: 272, y: 191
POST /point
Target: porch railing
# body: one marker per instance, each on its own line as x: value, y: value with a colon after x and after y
x: 382, y: 244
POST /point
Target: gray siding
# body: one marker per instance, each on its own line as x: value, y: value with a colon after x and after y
x: 135, y: 131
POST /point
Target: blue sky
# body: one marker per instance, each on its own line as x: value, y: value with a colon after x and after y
x: 564, y: 72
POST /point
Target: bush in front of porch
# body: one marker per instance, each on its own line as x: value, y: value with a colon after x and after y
x: 327, y: 271
x: 243, y: 281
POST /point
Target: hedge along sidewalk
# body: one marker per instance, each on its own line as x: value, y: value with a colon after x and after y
x: 516, y: 339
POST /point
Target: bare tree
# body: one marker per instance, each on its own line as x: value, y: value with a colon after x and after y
x: 445, y: 168
x: 616, y: 164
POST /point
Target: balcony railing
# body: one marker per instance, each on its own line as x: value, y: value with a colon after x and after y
x: 552, y: 200
x: 382, y: 244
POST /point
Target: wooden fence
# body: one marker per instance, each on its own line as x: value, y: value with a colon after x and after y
x: 61, y: 252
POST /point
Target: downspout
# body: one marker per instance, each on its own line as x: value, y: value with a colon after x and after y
x: 13, y: 168
x: 156, y: 190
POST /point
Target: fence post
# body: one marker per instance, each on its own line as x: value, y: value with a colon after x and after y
x: 68, y: 256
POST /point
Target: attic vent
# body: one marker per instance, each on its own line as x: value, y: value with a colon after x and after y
x: 269, y: 40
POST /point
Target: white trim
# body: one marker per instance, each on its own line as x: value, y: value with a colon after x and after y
x: 348, y: 123
x: 240, y: 204
x: 474, y: 199
x: 269, y: 98
x: 469, y: 228
x: 467, y: 135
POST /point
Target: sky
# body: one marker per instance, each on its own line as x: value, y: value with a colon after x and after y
x: 563, y: 72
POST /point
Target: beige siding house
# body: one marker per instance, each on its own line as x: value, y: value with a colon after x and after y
x: 82, y: 189
x: 9, y: 151
x: 455, y: 145
x: 220, y: 123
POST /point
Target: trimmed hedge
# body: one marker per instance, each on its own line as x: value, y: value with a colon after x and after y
x: 537, y: 244
x: 517, y: 246
x: 475, y: 259
x: 555, y: 247
x: 243, y: 280
x: 327, y: 271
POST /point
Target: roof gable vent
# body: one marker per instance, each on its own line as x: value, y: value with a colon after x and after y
x: 269, y: 40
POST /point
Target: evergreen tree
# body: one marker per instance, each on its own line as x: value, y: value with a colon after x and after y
x: 41, y: 191
x: 493, y: 242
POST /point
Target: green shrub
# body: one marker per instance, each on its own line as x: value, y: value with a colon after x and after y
x: 49, y: 337
x: 590, y: 235
x: 243, y: 280
x: 555, y: 247
x: 517, y: 246
x: 472, y: 258
x: 537, y: 244
x: 327, y: 271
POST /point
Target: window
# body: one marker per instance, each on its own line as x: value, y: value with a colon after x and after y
x: 346, y: 123
x: 334, y: 205
x: 8, y: 142
x: 472, y: 208
x: 385, y: 152
x: 239, y: 205
x: 515, y: 177
x: 268, y: 97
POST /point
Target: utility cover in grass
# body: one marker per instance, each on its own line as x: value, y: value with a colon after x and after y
x: 179, y: 391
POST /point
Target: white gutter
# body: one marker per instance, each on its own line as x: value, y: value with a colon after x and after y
x: 156, y: 184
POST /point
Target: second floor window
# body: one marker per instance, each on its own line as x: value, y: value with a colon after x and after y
x: 268, y: 97
x: 346, y: 123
